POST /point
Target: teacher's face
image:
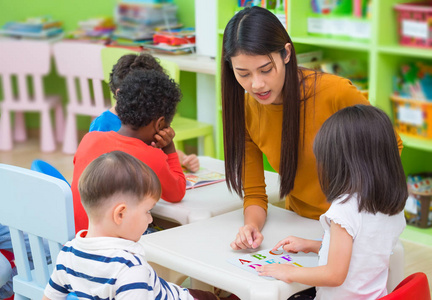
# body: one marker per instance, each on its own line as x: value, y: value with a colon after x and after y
x: 260, y: 77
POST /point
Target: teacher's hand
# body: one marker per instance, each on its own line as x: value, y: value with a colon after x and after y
x: 248, y: 236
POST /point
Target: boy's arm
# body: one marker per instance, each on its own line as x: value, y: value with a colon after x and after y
x: 332, y: 274
x: 45, y: 298
x: 142, y: 282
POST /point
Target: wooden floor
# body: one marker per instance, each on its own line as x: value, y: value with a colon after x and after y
x: 418, y: 257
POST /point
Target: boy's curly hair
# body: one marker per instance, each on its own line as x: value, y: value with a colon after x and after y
x: 146, y: 95
x: 129, y: 62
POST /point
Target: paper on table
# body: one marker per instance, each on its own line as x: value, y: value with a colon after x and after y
x: 202, y: 177
x: 250, y: 261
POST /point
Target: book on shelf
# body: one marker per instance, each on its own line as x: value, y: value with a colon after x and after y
x: 202, y: 177
x: 36, y: 28
x: 168, y: 49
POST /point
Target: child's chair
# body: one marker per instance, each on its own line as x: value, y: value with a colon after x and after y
x: 41, y: 206
x: 80, y: 63
x: 184, y: 128
x: 414, y: 287
x: 28, y: 62
x: 41, y: 166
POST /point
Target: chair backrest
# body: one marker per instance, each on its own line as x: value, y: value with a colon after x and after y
x: 24, y: 59
x: 40, y: 206
x: 415, y: 286
x: 110, y: 56
x: 81, y: 63
x: 41, y: 166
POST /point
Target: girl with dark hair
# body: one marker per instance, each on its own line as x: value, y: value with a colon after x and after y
x: 361, y: 174
x: 279, y: 115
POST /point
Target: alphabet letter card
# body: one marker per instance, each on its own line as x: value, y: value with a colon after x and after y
x: 250, y: 261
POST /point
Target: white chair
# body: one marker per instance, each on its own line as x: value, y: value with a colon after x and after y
x: 28, y: 62
x: 80, y: 63
x: 40, y: 206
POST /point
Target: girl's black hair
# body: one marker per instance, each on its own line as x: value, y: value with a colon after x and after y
x: 356, y: 152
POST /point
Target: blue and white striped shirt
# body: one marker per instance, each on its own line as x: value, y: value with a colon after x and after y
x: 108, y: 268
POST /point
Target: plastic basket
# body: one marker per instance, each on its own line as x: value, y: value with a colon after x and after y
x: 415, y: 24
x: 412, y: 117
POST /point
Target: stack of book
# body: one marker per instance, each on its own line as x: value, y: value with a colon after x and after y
x: 138, y: 20
x: 34, y: 28
x: 174, y: 41
x: 93, y: 30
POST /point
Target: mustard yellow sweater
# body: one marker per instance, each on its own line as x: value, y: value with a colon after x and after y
x: 263, y: 135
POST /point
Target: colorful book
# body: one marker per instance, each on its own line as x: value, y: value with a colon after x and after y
x: 249, y: 261
x: 202, y: 177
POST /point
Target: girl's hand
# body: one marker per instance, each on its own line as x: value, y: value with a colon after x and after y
x: 248, y: 237
x: 164, y: 140
x: 278, y: 271
x: 294, y: 244
x: 191, y: 162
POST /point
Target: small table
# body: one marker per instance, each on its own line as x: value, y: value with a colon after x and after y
x: 200, y: 250
x: 211, y: 200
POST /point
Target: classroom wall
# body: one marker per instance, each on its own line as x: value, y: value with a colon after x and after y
x: 70, y: 12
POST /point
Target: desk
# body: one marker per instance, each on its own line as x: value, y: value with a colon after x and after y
x: 207, y: 201
x: 200, y: 250
x: 191, y: 62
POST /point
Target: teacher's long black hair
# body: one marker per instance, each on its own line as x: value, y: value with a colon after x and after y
x: 257, y: 31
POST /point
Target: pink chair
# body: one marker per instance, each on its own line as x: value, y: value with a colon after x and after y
x: 27, y: 62
x: 80, y: 63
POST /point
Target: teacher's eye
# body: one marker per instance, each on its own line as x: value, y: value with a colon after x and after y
x: 243, y: 75
x: 267, y: 71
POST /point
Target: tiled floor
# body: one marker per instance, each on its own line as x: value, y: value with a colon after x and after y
x: 418, y: 255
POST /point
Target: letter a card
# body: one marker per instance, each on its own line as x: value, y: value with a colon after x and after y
x: 249, y: 261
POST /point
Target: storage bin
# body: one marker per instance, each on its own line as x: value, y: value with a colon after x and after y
x: 412, y: 117
x: 420, y: 190
x: 415, y: 24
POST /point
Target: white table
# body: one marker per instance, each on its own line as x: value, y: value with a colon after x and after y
x: 200, y: 250
x: 208, y: 201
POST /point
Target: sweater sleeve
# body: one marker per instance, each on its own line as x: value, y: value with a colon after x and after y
x: 172, y: 179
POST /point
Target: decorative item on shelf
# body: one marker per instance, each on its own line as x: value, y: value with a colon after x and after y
x: 43, y: 27
x: 344, y: 19
x: 418, y: 208
x: 96, y: 30
x: 415, y: 24
x: 412, y: 100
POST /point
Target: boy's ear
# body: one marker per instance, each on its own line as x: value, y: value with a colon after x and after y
x: 119, y: 213
x: 160, y: 124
